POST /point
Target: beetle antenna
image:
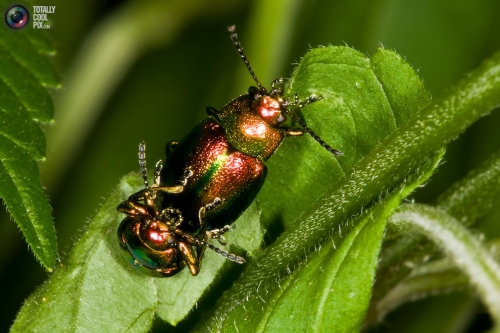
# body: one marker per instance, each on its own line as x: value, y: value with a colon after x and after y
x: 234, y: 38
x: 142, y: 164
x: 223, y: 253
x: 312, y: 133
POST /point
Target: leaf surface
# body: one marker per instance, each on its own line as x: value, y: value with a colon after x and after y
x: 26, y: 72
x: 385, y: 168
x: 95, y: 289
x: 364, y: 100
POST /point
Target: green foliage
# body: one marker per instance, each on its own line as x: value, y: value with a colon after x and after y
x: 465, y: 201
x: 462, y: 248
x: 329, y: 291
x: 345, y: 79
x: 25, y: 74
x: 312, y: 275
x: 365, y: 100
x: 475, y: 195
x: 334, y: 225
x: 95, y: 289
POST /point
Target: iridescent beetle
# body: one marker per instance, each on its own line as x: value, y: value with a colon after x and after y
x: 154, y: 240
x: 208, y: 179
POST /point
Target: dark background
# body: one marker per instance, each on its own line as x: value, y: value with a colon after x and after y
x: 185, y: 62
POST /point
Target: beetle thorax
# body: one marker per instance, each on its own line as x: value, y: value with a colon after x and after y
x: 248, y: 125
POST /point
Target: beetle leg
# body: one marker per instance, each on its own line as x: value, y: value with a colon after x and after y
x: 187, y: 174
x: 214, y: 204
x: 300, y: 104
x: 276, y: 92
x: 220, y: 238
x: 201, y: 217
x: 215, y: 233
x: 276, y: 81
x: 191, y: 260
x: 168, y: 271
x: 218, y: 233
x: 200, y: 251
x: 133, y: 209
x: 171, y: 216
x: 205, y: 243
x: 159, y: 166
x: 293, y: 132
x: 302, y: 124
x: 167, y: 189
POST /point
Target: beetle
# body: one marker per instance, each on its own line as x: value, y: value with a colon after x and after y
x: 154, y: 240
x: 208, y: 179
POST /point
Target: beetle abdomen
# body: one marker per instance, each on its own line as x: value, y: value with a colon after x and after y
x: 215, y: 171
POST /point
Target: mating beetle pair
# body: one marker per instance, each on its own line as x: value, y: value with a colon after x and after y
x: 207, y: 180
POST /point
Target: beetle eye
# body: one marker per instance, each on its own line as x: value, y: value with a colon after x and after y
x: 281, y: 119
x: 254, y: 93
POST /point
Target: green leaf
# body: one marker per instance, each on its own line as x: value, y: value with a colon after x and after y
x: 32, y: 52
x: 92, y: 250
x: 467, y: 200
x: 357, y: 93
x: 364, y: 100
x: 460, y: 246
x: 436, y: 277
x: 310, y: 298
x: 387, y: 165
x: 95, y: 273
x: 432, y: 278
x: 475, y: 195
x: 330, y: 290
x: 95, y: 289
x: 247, y: 233
x: 26, y: 72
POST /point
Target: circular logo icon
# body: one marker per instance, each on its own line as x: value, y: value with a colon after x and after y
x: 16, y: 17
